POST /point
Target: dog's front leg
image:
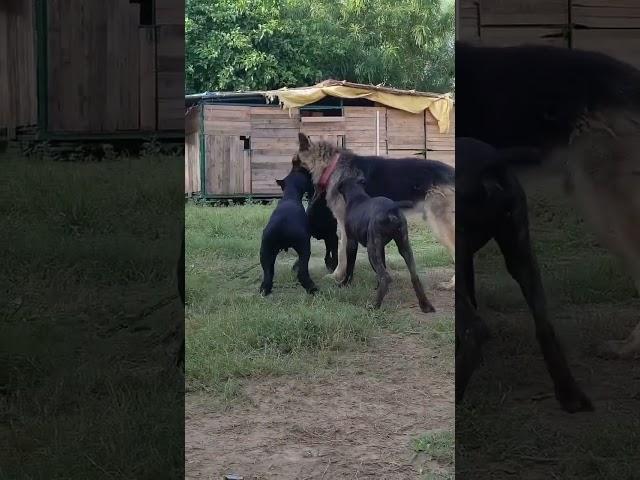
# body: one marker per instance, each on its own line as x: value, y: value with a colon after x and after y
x: 471, y: 331
x: 341, y: 270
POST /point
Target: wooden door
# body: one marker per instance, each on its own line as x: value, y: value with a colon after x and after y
x: 228, y: 165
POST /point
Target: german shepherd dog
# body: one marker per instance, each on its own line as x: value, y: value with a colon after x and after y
x: 429, y: 184
x: 374, y: 222
x: 493, y: 205
x: 288, y: 227
x: 579, y: 108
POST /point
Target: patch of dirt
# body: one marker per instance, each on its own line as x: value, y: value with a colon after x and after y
x: 513, y: 427
x: 357, y: 421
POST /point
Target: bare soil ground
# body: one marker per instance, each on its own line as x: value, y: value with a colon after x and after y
x: 355, y: 419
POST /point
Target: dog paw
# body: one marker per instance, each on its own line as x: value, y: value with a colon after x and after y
x: 264, y: 291
x: 573, y: 399
x: 427, y: 308
x: 339, y: 278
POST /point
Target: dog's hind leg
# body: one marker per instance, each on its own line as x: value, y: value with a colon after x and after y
x: 331, y: 255
x: 606, y: 189
x: 514, y: 242
x: 352, y: 253
x: 304, y: 254
x: 402, y: 241
x: 267, y: 261
x: 341, y: 270
x: 375, y: 250
x: 440, y: 212
x: 471, y: 331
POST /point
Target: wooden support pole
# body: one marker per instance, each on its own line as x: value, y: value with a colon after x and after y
x: 377, y: 131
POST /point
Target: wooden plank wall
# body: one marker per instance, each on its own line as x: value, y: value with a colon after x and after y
x: 441, y: 146
x: 192, y: 163
x: 147, y: 82
x: 95, y: 95
x: 406, y: 134
x: 170, y: 68
x: 468, y: 27
x: 99, y: 95
x: 360, y: 130
x: 18, y: 89
x: 607, y: 26
x: 170, y: 76
x: 273, y: 139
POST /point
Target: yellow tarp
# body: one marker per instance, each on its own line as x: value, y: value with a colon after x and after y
x: 440, y: 107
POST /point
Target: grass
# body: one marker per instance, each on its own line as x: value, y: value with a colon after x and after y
x: 83, y: 394
x: 437, y: 445
x: 233, y: 332
x: 510, y: 425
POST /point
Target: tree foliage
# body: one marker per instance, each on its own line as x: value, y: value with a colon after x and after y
x: 266, y: 44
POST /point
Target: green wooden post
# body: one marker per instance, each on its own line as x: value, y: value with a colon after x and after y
x: 203, y: 151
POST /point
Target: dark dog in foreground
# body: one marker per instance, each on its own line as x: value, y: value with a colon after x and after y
x: 374, y: 222
x: 492, y: 205
x: 427, y: 185
x: 288, y: 227
x: 582, y: 110
x: 324, y: 227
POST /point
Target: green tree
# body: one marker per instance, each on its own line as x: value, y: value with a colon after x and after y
x: 265, y: 44
x: 242, y: 45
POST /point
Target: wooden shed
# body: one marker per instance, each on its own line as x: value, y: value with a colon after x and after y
x: 607, y: 26
x: 237, y: 144
x: 86, y: 68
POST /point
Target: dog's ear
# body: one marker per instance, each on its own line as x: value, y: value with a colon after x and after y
x: 280, y: 183
x: 304, y: 142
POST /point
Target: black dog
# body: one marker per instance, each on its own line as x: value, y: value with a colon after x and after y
x: 374, y: 222
x: 492, y: 205
x: 324, y: 227
x: 288, y: 227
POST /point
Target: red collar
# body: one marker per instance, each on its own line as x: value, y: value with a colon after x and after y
x: 326, y: 174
